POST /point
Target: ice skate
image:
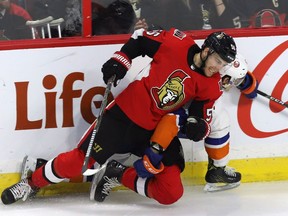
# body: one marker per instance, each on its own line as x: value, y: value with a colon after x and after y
x: 29, y: 165
x: 105, y: 180
x: 21, y: 190
x: 221, y: 178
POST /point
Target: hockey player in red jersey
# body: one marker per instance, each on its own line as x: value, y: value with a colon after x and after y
x: 219, y: 176
x: 179, y: 72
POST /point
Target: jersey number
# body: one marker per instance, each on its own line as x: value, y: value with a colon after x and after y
x: 209, y: 114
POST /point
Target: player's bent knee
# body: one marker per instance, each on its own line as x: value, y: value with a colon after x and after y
x: 69, y: 164
x: 170, y: 197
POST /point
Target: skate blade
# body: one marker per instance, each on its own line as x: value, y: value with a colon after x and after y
x: 28, y: 166
x: 96, y: 178
x: 214, y: 187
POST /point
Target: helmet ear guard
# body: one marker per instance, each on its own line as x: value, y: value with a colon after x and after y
x: 234, y: 73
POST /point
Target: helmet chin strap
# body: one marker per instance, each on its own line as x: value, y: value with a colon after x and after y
x: 203, y: 61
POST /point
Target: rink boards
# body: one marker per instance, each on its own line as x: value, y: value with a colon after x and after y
x: 49, y: 98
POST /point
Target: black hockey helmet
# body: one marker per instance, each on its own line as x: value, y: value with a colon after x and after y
x: 223, y: 44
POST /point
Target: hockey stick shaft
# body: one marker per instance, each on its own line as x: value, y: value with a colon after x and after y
x: 272, y: 98
x: 97, y: 125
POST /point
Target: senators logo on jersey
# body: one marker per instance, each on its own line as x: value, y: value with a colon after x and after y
x: 171, y: 93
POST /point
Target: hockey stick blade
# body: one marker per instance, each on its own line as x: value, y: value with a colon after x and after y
x: 272, y: 98
x: 96, y: 128
x: 90, y: 172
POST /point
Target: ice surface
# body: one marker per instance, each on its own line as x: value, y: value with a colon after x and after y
x: 270, y: 198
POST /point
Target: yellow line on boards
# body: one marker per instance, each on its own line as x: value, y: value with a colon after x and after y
x: 252, y: 170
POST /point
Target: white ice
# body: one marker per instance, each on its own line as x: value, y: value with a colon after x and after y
x: 249, y: 199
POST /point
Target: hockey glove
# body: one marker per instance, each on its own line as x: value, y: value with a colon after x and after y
x: 118, y: 65
x: 249, y: 86
x: 196, y: 128
x: 149, y: 165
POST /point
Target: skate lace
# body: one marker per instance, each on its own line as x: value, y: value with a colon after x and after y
x: 110, y: 183
x: 230, y: 171
x: 21, y: 190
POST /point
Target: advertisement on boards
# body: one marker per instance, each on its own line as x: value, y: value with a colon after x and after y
x: 50, y: 96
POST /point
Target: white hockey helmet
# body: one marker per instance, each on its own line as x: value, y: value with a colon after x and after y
x: 234, y: 73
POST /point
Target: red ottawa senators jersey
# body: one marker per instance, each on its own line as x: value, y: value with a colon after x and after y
x: 168, y: 82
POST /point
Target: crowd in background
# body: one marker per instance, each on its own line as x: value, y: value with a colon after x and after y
x: 211, y: 14
x: 15, y: 13
x: 123, y: 16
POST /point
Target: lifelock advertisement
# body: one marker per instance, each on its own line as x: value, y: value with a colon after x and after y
x: 49, y: 98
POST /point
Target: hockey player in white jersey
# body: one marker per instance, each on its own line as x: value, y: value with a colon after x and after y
x: 219, y: 176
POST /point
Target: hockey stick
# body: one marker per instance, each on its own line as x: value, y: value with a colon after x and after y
x: 85, y: 170
x: 272, y: 98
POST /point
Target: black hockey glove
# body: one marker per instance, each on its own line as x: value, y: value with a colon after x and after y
x: 118, y: 65
x: 196, y: 128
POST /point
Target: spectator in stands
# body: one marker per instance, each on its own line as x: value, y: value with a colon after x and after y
x: 69, y: 10
x: 40, y: 9
x: 229, y: 14
x: 73, y: 18
x: 192, y: 14
x: 216, y: 14
x: 112, y: 17
x: 250, y: 13
x: 268, y: 13
x: 12, y: 21
x: 165, y: 14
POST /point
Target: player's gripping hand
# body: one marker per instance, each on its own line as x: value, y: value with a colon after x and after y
x: 196, y: 128
x: 249, y: 86
x: 118, y: 65
x: 150, y: 164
